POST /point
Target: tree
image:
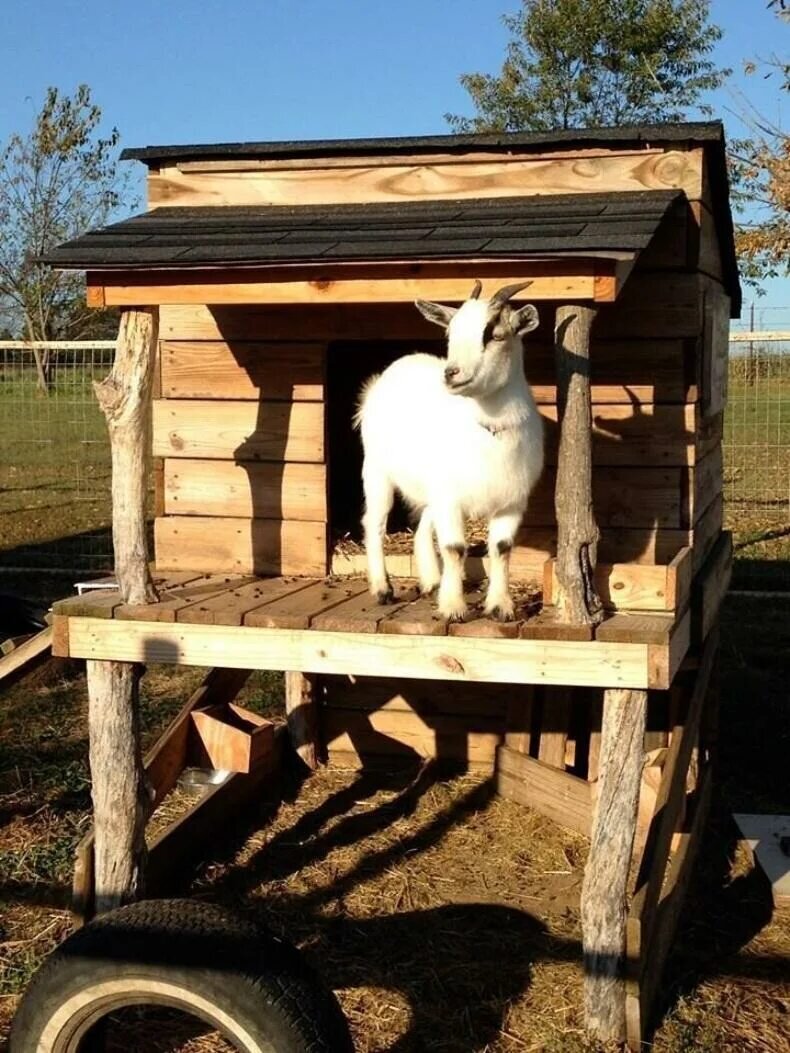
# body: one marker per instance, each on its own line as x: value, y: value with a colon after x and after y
x: 588, y: 63
x: 760, y: 172
x: 55, y: 182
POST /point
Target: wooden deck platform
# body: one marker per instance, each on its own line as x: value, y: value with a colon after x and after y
x: 333, y: 626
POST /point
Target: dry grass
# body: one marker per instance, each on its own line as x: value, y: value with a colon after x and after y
x: 446, y: 918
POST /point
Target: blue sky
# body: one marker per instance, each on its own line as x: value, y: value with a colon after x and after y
x: 169, y: 71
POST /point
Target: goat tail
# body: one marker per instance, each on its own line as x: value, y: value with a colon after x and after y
x: 364, y: 391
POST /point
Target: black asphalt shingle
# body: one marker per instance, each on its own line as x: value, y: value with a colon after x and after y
x: 514, y: 226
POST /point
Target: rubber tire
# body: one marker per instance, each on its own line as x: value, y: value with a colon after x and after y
x: 202, y: 959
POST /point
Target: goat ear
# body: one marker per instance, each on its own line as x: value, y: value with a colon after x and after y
x: 524, y: 320
x: 435, y: 312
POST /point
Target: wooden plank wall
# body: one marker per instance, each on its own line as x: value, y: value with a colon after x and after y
x: 239, y: 434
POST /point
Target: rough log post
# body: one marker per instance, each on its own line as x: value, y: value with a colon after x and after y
x: 120, y: 799
x: 603, y: 906
x: 577, y: 531
x: 301, y: 708
x: 125, y: 400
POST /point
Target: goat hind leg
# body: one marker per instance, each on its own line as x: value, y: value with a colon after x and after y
x: 428, y: 569
x: 379, y: 496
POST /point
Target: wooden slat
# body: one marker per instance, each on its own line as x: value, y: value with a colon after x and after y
x: 664, y: 661
x: 637, y: 434
x: 518, y: 734
x: 556, y: 794
x: 706, y: 482
x: 420, y: 618
x: 232, y: 605
x: 555, y: 718
x: 706, y: 531
x: 25, y: 656
x: 174, y: 600
x: 715, y: 351
x: 635, y: 587
x: 215, y: 369
x: 242, y: 546
x: 362, y: 613
x: 426, y: 180
x: 560, y: 662
x: 249, y: 490
x: 388, y: 731
x: 623, y: 497
x: 239, y: 431
x: 710, y: 588
x: 655, y: 305
x: 637, y: 628
x: 297, y: 611
x: 221, y: 286
x: 428, y: 700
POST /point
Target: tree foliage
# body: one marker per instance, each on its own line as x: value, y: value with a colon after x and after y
x: 588, y: 63
x: 760, y: 171
x: 55, y: 182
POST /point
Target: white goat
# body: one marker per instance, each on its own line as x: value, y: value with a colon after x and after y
x: 458, y: 437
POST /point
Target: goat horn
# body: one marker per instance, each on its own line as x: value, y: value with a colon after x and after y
x: 473, y: 295
x: 499, y: 299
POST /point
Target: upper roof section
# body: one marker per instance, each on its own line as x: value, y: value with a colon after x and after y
x: 491, y: 229
x: 697, y: 132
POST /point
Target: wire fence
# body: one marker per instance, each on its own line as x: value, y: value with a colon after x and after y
x: 55, y: 510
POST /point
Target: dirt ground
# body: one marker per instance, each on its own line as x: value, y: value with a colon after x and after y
x: 445, y: 918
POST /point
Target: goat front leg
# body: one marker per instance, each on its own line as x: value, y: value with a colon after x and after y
x: 379, y: 496
x: 501, y: 535
x: 449, y: 524
x: 428, y: 569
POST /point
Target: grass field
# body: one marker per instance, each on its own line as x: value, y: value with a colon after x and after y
x: 446, y: 918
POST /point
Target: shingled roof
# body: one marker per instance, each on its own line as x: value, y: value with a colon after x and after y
x: 491, y: 228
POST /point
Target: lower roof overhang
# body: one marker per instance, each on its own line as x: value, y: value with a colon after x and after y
x: 595, y: 278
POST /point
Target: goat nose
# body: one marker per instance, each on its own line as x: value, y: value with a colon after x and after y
x: 450, y: 372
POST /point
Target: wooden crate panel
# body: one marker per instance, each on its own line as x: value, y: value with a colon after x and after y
x: 240, y: 431
x: 242, y: 546
x: 421, y: 179
x: 639, y: 434
x: 247, y: 491
x: 623, y: 497
x: 215, y: 369
x: 635, y: 587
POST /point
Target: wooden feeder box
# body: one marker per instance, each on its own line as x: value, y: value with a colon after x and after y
x: 261, y: 288
x: 230, y: 738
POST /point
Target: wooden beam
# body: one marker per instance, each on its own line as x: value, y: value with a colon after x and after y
x: 457, y: 658
x: 121, y: 803
x: 570, y: 281
x: 557, y: 794
x: 125, y: 400
x: 606, y: 873
x: 577, y: 531
x: 301, y: 708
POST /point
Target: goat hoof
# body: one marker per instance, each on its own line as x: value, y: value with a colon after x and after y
x: 428, y: 590
x: 385, y: 596
x: 455, y: 616
x: 502, y: 614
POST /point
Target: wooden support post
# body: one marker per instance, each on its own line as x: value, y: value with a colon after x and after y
x: 577, y: 531
x: 120, y: 800
x: 603, y: 905
x: 301, y: 708
x: 125, y: 400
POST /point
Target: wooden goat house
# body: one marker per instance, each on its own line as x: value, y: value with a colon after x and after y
x: 266, y: 282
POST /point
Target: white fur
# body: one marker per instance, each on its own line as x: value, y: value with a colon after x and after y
x: 473, y: 452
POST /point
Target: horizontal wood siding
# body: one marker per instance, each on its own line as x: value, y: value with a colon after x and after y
x: 425, y: 179
x: 223, y: 488
x: 243, y: 369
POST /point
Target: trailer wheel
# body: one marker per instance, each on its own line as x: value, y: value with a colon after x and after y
x: 252, y: 987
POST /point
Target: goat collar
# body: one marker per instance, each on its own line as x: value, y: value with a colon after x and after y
x: 500, y: 429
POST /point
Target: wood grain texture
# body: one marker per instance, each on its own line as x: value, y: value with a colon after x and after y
x: 239, y: 431
x: 423, y: 180
x: 125, y: 400
x: 231, y: 738
x: 241, y: 546
x: 636, y: 587
x: 556, y: 794
x: 219, y: 286
x: 302, y: 713
x: 603, y: 903
x: 455, y: 659
x: 250, y: 369
x: 246, y: 491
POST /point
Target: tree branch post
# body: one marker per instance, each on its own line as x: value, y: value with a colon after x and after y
x: 577, y: 531
x: 603, y: 904
x: 121, y: 802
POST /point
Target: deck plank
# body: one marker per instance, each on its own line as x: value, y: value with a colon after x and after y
x: 419, y: 618
x: 363, y: 613
x: 297, y: 610
x: 232, y: 605
x: 175, y: 600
